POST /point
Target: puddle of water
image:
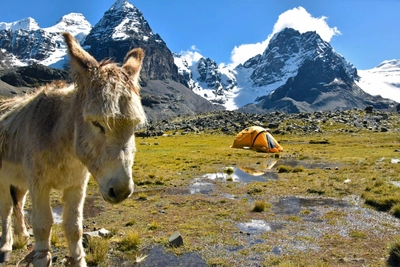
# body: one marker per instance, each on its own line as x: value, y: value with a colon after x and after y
x: 306, y: 164
x: 158, y: 257
x: 248, y: 175
x: 277, y: 250
x: 201, y: 187
x: 56, y: 211
x: 57, y: 214
x: 255, y: 227
x: 244, y: 175
x: 294, y: 205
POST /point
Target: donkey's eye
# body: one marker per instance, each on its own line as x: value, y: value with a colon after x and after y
x: 99, y: 126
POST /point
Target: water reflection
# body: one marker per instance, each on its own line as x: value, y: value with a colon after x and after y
x: 243, y: 174
x: 306, y: 164
x: 259, y: 226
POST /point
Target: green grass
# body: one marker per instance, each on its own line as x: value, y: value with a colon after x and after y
x: 259, y: 206
x: 163, y: 173
x: 97, y: 250
x: 130, y: 241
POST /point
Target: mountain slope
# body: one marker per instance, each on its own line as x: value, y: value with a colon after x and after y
x: 383, y: 80
x: 24, y: 42
x: 296, y: 72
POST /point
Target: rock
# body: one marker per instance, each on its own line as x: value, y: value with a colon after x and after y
x: 369, y: 109
x: 175, y: 240
x: 87, y: 236
x: 232, y: 122
x: 104, y: 233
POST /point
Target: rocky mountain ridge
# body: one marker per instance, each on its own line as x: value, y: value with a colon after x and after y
x: 232, y: 122
x: 296, y: 73
x: 121, y: 29
x: 290, y: 56
x: 24, y: 43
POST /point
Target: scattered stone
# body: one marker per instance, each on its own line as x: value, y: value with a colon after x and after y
x: 369, y: 109
x: 175, y: 240
x: 144, y: 143
x: 104, y: 233
x: 232, y: 122
x: 86, y: 236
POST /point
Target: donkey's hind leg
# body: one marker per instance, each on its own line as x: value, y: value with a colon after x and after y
x: 6, y: 204
x: 18, y: 197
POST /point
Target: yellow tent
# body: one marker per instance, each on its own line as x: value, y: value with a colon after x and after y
x: 257, y: 138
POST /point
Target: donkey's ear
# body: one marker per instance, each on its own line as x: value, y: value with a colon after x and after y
x: 80, y: 59
x: 133, y: 63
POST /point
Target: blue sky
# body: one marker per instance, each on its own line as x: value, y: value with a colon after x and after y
x: 365, y: 32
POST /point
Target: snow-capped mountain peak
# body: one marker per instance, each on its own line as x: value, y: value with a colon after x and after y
x: 392, y: 65
x: 259, y: 76
x: 122, y: 5
x: 29, y: 43
x: 28, y: 24
x: 120, y: 22
x: 383, y: 80
x: 74, y: 23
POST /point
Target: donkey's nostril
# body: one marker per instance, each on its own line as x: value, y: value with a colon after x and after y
x: 111, y: 193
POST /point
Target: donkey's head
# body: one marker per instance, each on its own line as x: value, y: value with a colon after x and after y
x: 107, y: 110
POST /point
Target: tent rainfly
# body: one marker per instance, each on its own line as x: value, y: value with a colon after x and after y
x: 257, y: 138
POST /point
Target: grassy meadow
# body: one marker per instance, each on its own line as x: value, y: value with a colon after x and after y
x: 358, y: 167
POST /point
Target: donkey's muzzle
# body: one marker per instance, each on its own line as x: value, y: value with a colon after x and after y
x: 117, y: 192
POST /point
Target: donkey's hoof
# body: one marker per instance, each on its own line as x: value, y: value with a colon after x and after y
x: 37, y: 258
x: 42, y: 259
x: 5, y: 256
x: 71, y: 262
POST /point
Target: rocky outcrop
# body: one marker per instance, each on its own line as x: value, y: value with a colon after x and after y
x: 32, y: 76
x: 232, y: 122
x: 168, y: 99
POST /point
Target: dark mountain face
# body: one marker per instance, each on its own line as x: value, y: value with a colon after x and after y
x: 32, y: 76
x: 164, y: 92
x: 318, y: 78
x: 123, y: 28
x: 287, y: 51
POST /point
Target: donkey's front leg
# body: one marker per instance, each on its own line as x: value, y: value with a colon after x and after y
x: 73, y: 199
x: 42, y: 220
x: 5, y: 213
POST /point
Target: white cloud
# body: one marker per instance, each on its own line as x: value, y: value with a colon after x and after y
x: 296, y: 18
x: 191, y: 56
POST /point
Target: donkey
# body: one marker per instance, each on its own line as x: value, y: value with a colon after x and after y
x: 56, y: 137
